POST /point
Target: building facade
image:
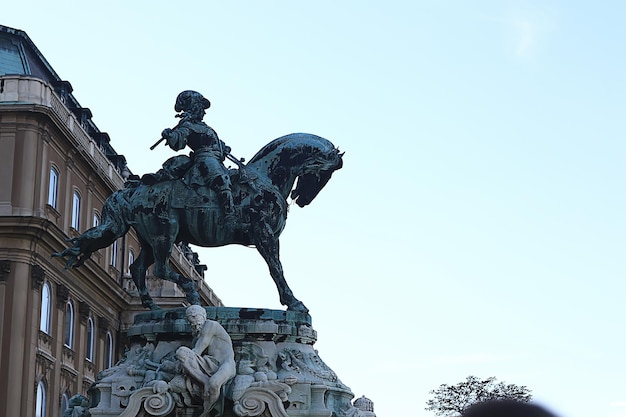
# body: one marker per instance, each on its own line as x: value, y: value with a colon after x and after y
x: 59, y: 328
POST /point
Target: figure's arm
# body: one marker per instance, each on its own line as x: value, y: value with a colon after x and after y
x: 225, y: 148
x: 176, y: 138
x: 222, y: 350
x: 204, y: 339
x: 201, y: 345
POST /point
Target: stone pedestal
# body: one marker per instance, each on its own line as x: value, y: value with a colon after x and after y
x: 278, y: 371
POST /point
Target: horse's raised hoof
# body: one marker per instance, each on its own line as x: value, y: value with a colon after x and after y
x: 298, y: 306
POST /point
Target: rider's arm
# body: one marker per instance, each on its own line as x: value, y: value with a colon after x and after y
x: 176, y: 138
x: 225, y: 148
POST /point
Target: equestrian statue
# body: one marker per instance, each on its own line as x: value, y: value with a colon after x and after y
x: 197, y: 200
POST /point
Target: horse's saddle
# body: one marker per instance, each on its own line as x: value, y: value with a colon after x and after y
x: 184, y: 196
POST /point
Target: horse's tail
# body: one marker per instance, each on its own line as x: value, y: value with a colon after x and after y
x: 113, y: 225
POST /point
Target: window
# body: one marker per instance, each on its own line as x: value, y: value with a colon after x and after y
x: 12, y: 59
x: 131, y: 259
x: 46, y: 307
x: 65, y: 402
x: 76, y: 211
x: 114, y: 254
x: 53, y: 187
x: 96, y: 219
x: 69, y: 325
x: 40, y: 405
x: 108, y: 356
x: 90, y: 340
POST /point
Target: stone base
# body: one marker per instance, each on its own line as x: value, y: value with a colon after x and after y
x: 278, y: 371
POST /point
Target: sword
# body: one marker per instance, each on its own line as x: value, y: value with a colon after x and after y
x: 239, y: 162
x: 243, y: 172
x: 157, y: 142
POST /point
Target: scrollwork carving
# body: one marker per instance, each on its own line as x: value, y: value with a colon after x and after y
x: 159, y: 404
x: 255, y: 400
x: 156, y: 400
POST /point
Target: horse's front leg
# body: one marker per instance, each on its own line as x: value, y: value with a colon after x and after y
x: 138, y: 271
x: 162, y: 249
x: 268, y: 247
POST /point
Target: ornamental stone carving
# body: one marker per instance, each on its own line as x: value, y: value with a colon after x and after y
x: 277, y: 372
x: 63, y: 295
x: 37, y: 276
x: 103, y: 325
x: 83, y: 311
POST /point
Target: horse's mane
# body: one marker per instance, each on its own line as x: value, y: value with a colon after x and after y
x: 300, y: 138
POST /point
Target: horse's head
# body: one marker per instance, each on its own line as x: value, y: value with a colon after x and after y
x: 315, y: 173
x: 306, y: 159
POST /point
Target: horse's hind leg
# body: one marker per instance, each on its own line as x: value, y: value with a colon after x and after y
x: 162, y: 249
x: 138, y: 272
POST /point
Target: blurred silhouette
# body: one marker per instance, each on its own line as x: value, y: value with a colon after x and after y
x: 506, y: 408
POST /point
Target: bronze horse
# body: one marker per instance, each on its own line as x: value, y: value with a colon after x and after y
x: 168, y: 212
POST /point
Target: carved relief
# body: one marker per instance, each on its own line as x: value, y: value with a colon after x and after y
x: 89, y: 367
x: 299, y: 362
x: 44, y: 364
x: 68, y: 355
x: 69, y: 379
x: 45, y: 341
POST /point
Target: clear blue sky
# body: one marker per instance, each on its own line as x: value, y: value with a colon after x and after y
x: 478, y: 225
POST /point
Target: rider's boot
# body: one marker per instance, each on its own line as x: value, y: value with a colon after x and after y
x: 226, y: 200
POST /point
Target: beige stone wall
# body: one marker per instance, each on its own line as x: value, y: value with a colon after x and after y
x: 36, y: 133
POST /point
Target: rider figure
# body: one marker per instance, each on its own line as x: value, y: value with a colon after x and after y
x: 207, y: 170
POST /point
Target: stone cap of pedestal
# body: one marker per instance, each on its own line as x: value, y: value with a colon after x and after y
x: 242, y: 324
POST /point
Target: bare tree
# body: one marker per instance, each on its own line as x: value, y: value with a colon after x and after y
x: 453, y: 400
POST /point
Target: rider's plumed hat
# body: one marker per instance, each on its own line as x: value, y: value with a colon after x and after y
x: 187, y: 98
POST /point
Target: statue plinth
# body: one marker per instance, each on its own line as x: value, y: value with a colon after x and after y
x: 278, y: 372
x: 242, y: 324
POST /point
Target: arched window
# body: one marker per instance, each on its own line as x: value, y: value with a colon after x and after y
x: 53, y: 187
x: 114, y: 254
x: 131, y: 259
x: 108, y: 355
x: 46, y: 308
x: 96, y: 219
x: 69, y: 325
x: 65, y: 402
x: 40, y: 405
x: 76, y: 210
x: 90, y: 340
